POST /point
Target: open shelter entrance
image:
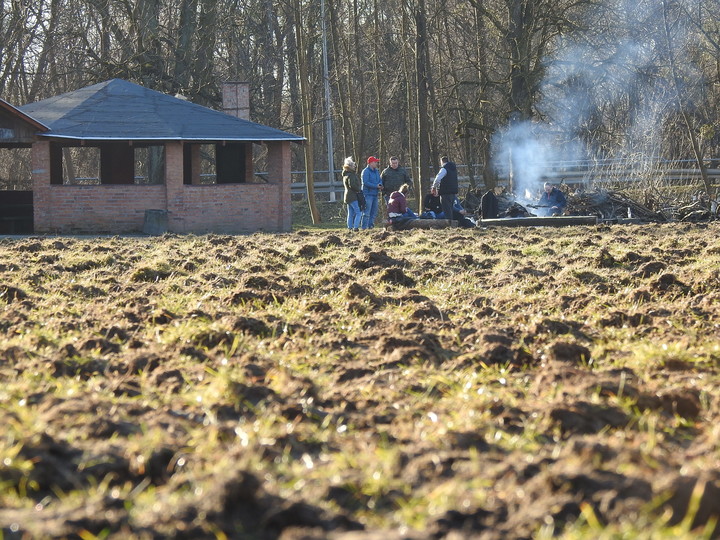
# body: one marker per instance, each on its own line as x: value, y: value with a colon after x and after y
x: 16, y: 197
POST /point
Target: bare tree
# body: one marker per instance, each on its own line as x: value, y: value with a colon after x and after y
x: 306, y: 100
x: 682, y: 100
x: 423, y: 75
x: 412, y: 76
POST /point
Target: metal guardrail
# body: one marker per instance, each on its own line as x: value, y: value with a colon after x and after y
x: 568, y: 172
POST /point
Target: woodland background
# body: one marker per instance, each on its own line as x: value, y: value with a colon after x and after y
x: 582, y: 79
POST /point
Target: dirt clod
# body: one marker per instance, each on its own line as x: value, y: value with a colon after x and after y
x: 565, y: 351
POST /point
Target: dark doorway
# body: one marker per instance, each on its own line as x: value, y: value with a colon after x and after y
x: 16, y: 212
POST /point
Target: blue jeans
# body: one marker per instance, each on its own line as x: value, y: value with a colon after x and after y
x: 399, y: 221
x: 371, y: 209
x: 354, y: 215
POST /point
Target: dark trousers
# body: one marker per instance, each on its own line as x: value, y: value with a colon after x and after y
x: 447, y: 202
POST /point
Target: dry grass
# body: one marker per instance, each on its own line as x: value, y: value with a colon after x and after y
x: 425, y: 384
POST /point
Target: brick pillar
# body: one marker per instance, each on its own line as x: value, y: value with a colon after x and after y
x: 42, y: 200
x: 174, y: 186
x: 279, y: 173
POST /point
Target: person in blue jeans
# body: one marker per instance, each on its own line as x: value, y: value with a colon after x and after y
x: 353, y: 187
x: 371, y: 186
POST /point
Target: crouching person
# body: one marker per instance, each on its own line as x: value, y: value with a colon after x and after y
x: 552, y: 200
x: 432, y: 209
x: 460, y: 215
x: 398, y: 212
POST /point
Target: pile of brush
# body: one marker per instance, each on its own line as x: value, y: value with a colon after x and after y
x: 608, y: 204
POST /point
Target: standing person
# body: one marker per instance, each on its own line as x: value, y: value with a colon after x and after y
x: 371, y: 187
x: 353, y: 189
x: 553, y: 200
x: 446, y: 185
x: 393, y: 177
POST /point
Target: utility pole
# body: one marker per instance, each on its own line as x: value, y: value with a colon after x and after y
x: 328, y: 106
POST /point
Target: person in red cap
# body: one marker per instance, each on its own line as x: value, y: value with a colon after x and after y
x: 371, y: 186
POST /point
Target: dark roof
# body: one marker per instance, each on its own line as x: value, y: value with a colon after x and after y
x: 121, y: 110
x: 14, y: 111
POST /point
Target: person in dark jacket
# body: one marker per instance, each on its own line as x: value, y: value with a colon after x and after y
x: 552, y: 201
x: 353, y: 192
x: 431, y: 207
x: 446, y: 185
x: 398, y: 211
x: 489, y: 207
x: 393, y: 177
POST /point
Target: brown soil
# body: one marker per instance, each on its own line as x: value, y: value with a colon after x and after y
x: 498, y: 384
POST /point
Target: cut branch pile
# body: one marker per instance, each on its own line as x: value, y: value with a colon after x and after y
x: 611, y: 205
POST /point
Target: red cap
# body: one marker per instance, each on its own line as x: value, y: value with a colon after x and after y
x: 372, y: 159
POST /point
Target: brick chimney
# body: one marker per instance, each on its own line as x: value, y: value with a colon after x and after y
x: 236, y: 99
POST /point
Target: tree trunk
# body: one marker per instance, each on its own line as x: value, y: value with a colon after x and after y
x: 293, y: 77
x: 306, y: 105
x: 148, y: 46
x: 424, y: 163
x: 205, y: 83
x: 379, y: 106
x: 518, y: 40
x: 360, y: 97
x: 271, y: 65
x: 697, y: 150
x: 410, y: 94
x: 47, y: 51
x: 184, y: 52
x: 488, y: 173
x: 343, y: 82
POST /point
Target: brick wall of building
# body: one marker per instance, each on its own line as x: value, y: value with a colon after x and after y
x: 226, y: 208
x: 95, y: 209
x: 229, y: 208
x: 88, y: 209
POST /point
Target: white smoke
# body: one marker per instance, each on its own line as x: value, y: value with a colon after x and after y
x: 526, y: 153
x: 620, y: 69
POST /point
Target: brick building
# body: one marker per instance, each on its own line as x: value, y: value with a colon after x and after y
x: 107, y: 156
